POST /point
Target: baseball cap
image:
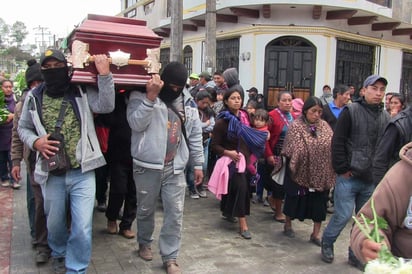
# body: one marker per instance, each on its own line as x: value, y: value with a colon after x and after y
x: 205, y: 75
x: 194, y: 76
x: 372, y: 79
x: 52, y: 53
x: 253, y: 89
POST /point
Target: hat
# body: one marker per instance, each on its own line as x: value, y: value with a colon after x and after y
x: 194, y: 76
x: 33, y: 72
x: 372, y: 79
x: 174, y: 73
x: 52, y: 53
x: 253, y: 89
x: 297, y: 104
x: 231, y: 77
x: 205, y: 75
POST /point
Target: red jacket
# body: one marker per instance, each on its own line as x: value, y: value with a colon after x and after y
x: 275, y: 127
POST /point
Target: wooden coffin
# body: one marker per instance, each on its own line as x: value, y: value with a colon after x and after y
x: 104, y: 34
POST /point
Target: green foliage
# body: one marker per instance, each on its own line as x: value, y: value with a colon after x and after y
x: 4, y: 113
x: 373, y: 234
x: 19, y: 83
x: 18, y: 32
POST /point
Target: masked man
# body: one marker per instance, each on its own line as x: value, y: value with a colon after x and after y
x: 70, y: 242
x: 165, y: 129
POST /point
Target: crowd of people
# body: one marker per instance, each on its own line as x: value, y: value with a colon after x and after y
x: 197, y: 132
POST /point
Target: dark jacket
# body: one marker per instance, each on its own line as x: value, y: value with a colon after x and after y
x: 397, y: 133
x: 329, y: 117
x: 356, y: 135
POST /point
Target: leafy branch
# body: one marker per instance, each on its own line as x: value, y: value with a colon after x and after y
x: 373, y: 233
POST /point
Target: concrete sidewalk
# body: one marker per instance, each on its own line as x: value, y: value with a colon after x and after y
x: 210, y: 245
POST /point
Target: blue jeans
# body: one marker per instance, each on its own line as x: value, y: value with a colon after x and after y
x: 171, y: 187
x: 349, y: 194
x: 75, y: 191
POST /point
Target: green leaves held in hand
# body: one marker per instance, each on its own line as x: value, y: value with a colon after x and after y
x: 4, y: 113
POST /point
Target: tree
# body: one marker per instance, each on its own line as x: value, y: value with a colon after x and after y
x: 18, y: 32
x: 4, y: 33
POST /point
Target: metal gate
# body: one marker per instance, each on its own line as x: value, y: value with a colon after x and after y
x: 354, y: 62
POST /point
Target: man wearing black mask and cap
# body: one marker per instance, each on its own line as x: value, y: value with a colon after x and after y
x: 73, y: 188
x: 165, y: 129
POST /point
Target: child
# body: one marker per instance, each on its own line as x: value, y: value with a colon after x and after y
x: 259, y: 121
x: 206, y: 114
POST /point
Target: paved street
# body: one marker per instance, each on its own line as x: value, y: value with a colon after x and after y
x: 210, y: 245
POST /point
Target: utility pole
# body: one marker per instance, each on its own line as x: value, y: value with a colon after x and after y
x: 44, y: 35
x: 209, y: 61
x: 176, y: 32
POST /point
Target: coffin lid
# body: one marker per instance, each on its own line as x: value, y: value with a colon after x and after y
x: 119, y: 26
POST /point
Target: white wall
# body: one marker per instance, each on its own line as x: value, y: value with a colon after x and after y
x: 391, y: 68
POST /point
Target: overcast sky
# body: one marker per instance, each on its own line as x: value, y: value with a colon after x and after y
x: 54, y: 16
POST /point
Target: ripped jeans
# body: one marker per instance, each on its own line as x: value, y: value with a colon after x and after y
x: 171, y: 187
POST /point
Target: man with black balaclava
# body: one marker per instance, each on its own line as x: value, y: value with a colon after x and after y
x: 74, y: 188
x: 165, y: 129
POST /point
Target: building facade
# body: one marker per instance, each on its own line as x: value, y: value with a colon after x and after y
x: 295, y: 45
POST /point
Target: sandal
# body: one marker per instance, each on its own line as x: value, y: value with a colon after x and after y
x: 314, y: 240
x: 282, y: 220
x: 246, y: 234
x: 289, y: 232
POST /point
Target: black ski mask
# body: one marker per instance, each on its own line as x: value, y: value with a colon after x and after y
x: 174, y: 73
x: 57, y: 81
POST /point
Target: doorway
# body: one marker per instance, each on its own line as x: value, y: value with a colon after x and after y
x: 289, y: 65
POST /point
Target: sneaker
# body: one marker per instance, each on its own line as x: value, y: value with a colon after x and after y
x: 59, y: 265
x: 194, y: 194
x: 257, y: 200
x: 101, y: 207
x: 5, y: 183
x: 327, y: 252
x: 172, y: 267
x: 202, y: 194
x: 15, y: 185
x: 145, y: 252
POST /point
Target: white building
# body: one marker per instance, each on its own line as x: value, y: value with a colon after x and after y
x: 296, y: 45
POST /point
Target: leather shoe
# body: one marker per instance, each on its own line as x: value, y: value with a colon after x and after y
x: 127, y: 233
x: 172, y: 267
x: 246, y: 235
x: 327, y: 252
x: 42, y: 257
x: 145, y: 252
x: 111, y: 227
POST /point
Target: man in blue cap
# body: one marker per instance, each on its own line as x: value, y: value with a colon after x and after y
x: 354, y: 142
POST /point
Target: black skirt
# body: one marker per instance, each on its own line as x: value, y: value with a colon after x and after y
x: 236, y: 202
x: 312, y: 206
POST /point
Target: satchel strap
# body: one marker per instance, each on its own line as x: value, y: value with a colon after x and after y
x: 62, y: 114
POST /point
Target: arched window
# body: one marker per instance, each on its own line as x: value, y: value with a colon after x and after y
x: 188, y: 59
